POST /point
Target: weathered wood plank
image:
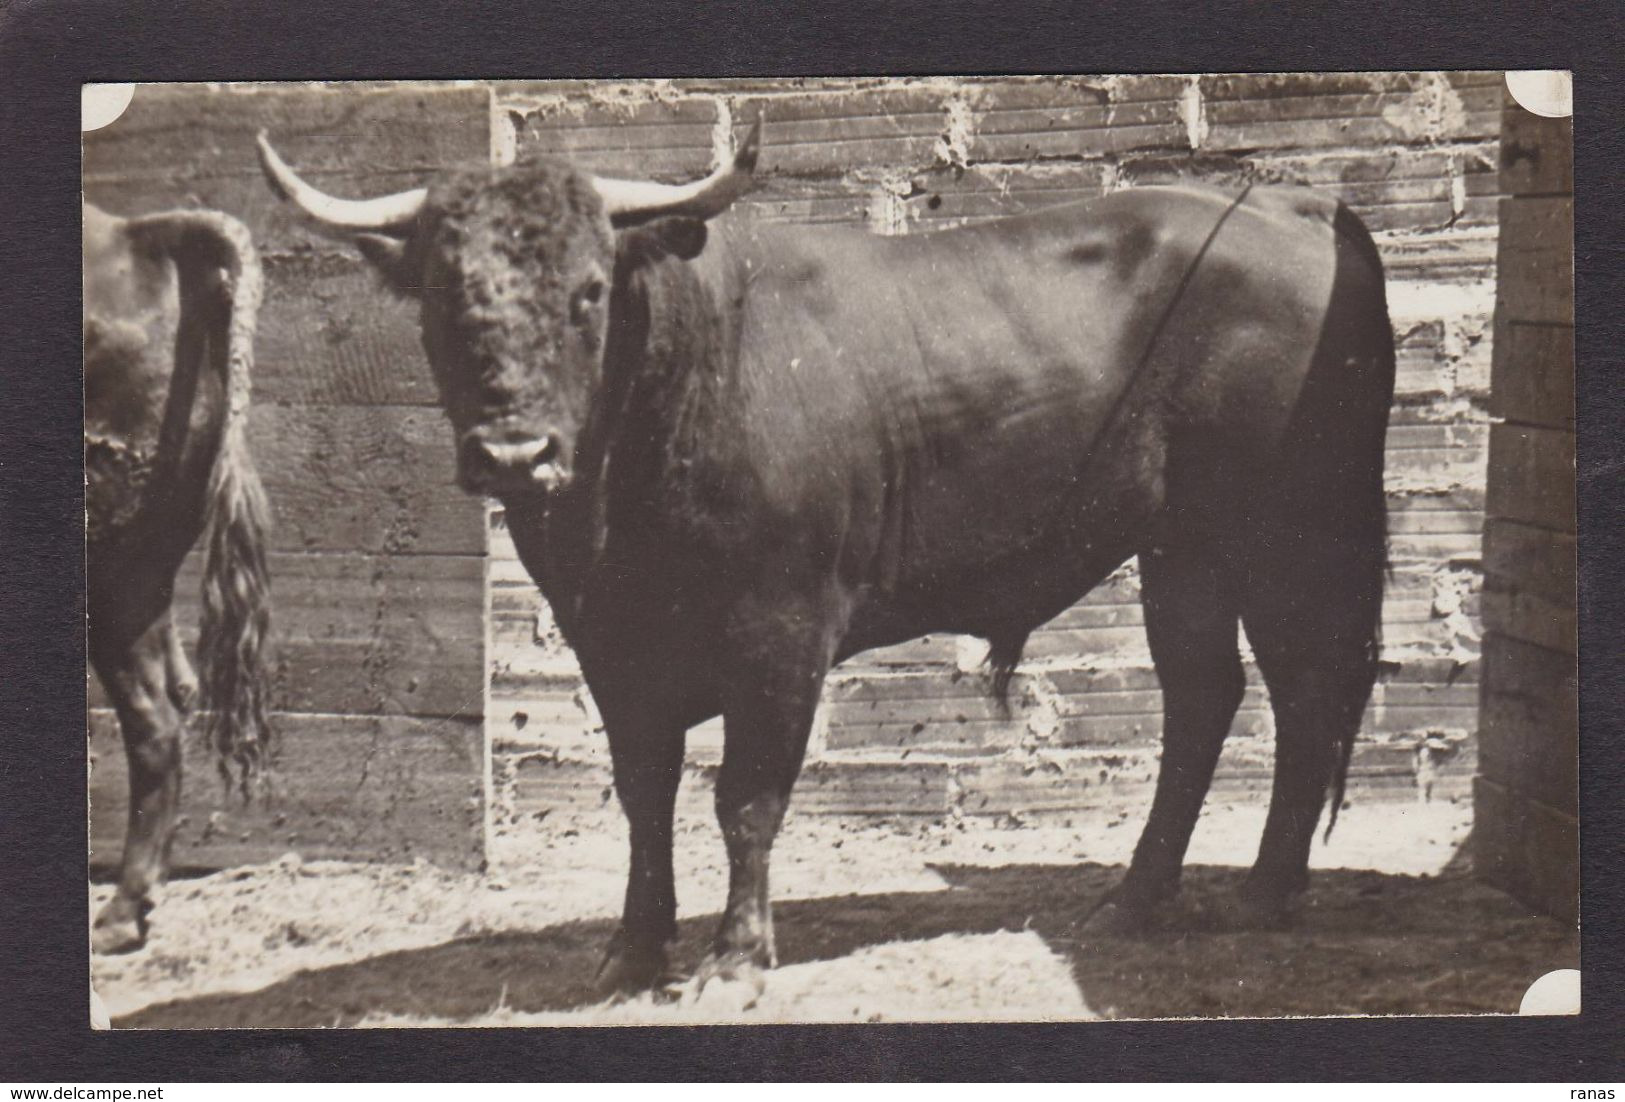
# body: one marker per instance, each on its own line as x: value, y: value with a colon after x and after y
x: 1534, y: 560
x: 334, y: 335
x: 874, y: 788
x: 1129, y: 93
x: 1529, y: 725
x: 1018, y: 122
x: 365, y: 479
x: 1407, y: 111
x: 1533, y: 476
x: 614, y: 129
x: 1532, y: 380
x: 1516, y: 612
x: 1527, y: 849
x: 988, y: 736
x: 350, y: 787
x: 1436, y: 258
x: 1335, y: 132
x: 1535, y: 260
x: 1278, y: 86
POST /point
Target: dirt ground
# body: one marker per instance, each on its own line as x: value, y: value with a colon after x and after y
x: 877, y: 921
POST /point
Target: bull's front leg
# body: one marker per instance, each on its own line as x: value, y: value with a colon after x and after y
x: 769, y: 704
x: 648, y: 762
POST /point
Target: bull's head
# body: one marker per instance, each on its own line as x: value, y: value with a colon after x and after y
x: 513, y: 267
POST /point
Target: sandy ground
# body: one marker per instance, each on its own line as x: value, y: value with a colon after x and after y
x: 877, y: 921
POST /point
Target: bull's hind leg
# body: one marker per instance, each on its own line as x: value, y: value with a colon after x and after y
x: 1191, y: 625
x: 648, y: 757
x: 136, y: 675
x: 1312, y: 624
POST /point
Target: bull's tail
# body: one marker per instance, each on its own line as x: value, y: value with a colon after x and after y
x: 1373, y: 561
x: 217, y: 252
x: 235, y: 673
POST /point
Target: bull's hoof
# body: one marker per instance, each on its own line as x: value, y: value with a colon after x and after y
x: 629, y: 970
x: 121, y: 927
x: 725, y: 985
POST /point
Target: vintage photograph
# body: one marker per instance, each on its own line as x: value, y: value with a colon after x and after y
x: 1053, y: 548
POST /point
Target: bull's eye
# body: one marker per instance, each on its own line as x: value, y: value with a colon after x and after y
x: 589, y: 295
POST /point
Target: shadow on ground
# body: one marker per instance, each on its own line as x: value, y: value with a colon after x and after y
x: 1363, y: 943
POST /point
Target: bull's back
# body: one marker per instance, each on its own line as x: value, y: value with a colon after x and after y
x: 1003, y: 354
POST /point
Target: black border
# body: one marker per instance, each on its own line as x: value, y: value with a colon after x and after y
x: 47, y: 47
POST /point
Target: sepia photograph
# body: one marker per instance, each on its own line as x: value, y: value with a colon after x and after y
x: 830, y: 550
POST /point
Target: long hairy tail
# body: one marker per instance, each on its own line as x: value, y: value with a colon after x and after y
x: 232, y: 645
x: 233, y: 651
x: 233, y: 654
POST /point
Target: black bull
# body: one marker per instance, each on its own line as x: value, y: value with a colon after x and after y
x: 733, y: 454
x: 169, y: 312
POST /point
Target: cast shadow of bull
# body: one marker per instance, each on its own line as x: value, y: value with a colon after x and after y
x: 1364, y: 943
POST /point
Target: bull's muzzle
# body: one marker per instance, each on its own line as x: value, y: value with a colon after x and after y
x: 495, y: 468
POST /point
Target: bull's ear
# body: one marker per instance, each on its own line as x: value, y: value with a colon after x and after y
x: 388, y: 255
x: 682, y: 237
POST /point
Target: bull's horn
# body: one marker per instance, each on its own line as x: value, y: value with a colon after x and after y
x: 629, y: 202
x: 387, y: 212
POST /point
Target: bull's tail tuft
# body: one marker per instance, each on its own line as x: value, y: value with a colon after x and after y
x: 232, y: 650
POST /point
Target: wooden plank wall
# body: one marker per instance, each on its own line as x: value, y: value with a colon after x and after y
x: 377, y: 561
x: 1526, y: 794
x: 909, y: 728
